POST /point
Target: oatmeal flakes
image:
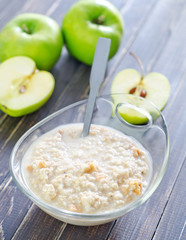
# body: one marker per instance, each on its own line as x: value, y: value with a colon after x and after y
x: 125, y: 189
x: 30, y: 168
x: 100, y: 176
x: 136, y: 152
x: 49, y: 191
x: 90, y: 168
x: 137, y: 186
x: 73, y: 208
x: 42, y: 164
x: 60, y: 132
x: 96, y: 174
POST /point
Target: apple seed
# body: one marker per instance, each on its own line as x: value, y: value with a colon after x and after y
x: 143, y: 93
x: 132, y: 90
x: 22, y: 89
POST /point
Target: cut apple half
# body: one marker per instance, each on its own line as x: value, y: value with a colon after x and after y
x: 24, y: 88
x: 154, y: 87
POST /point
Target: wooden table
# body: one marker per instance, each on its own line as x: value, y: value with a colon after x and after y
x: 155, y: 32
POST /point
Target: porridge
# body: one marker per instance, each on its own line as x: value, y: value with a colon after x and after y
x: 95, y: 174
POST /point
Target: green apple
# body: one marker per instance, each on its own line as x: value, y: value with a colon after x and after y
x: 154, y: 87
x: 25, y: 88
x: 85, y: 22
x: 32, y: 35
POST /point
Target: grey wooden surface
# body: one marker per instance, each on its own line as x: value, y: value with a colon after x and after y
x: 155, y: 31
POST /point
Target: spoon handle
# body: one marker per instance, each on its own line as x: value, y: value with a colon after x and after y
x: 96, y: 78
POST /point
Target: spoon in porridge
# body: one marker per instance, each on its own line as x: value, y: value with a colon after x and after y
x: 96, y: 78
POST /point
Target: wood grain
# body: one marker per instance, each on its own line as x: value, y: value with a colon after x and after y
x: 51, y: 228
x: 12, y: 210
x: 172, y: 224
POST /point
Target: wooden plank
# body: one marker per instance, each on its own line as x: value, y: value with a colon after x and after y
x: 70, y: 90
x: 51, y: 227
x: 9, y: 10
x: 84, y: 233
x: 3, y: 116
x: 173, y: 222
x: 15, y: 7
x: 11, y: 208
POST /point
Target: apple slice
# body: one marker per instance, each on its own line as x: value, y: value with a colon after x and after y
x: 25, y: 88
x: 132, y: 116
x: 154, y: 87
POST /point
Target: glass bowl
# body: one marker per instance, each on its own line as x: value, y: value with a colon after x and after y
x: 153, y: 135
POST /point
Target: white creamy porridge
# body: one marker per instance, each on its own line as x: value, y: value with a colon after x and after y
x: 96, y: 174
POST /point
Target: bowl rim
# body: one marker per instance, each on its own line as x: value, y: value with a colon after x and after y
x: 98, y: 216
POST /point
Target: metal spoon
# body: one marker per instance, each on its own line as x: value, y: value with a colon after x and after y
x: 96, y: 78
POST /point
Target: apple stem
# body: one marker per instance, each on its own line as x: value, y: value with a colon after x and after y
x: 25, y: 29
x: 99, y: 20
x: 140, y: 64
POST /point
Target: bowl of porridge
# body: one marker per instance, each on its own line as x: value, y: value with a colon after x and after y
x: 95, y: 179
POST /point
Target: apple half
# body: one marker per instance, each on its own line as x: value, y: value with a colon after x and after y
x: 24, y: 88
x: 154, y: 87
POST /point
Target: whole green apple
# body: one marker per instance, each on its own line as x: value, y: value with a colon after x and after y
x: 32, y: 35
x: 85, y: 22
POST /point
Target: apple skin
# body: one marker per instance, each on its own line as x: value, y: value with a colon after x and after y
x: 81, y: 33
x: 27, y: 110
x: 133, y: 116
x: 32, y: 35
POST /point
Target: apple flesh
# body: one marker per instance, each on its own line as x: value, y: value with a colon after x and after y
x: 85, y: 22
x: 25, y: 88
x: 154, y: 87
x: 32, y: 35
